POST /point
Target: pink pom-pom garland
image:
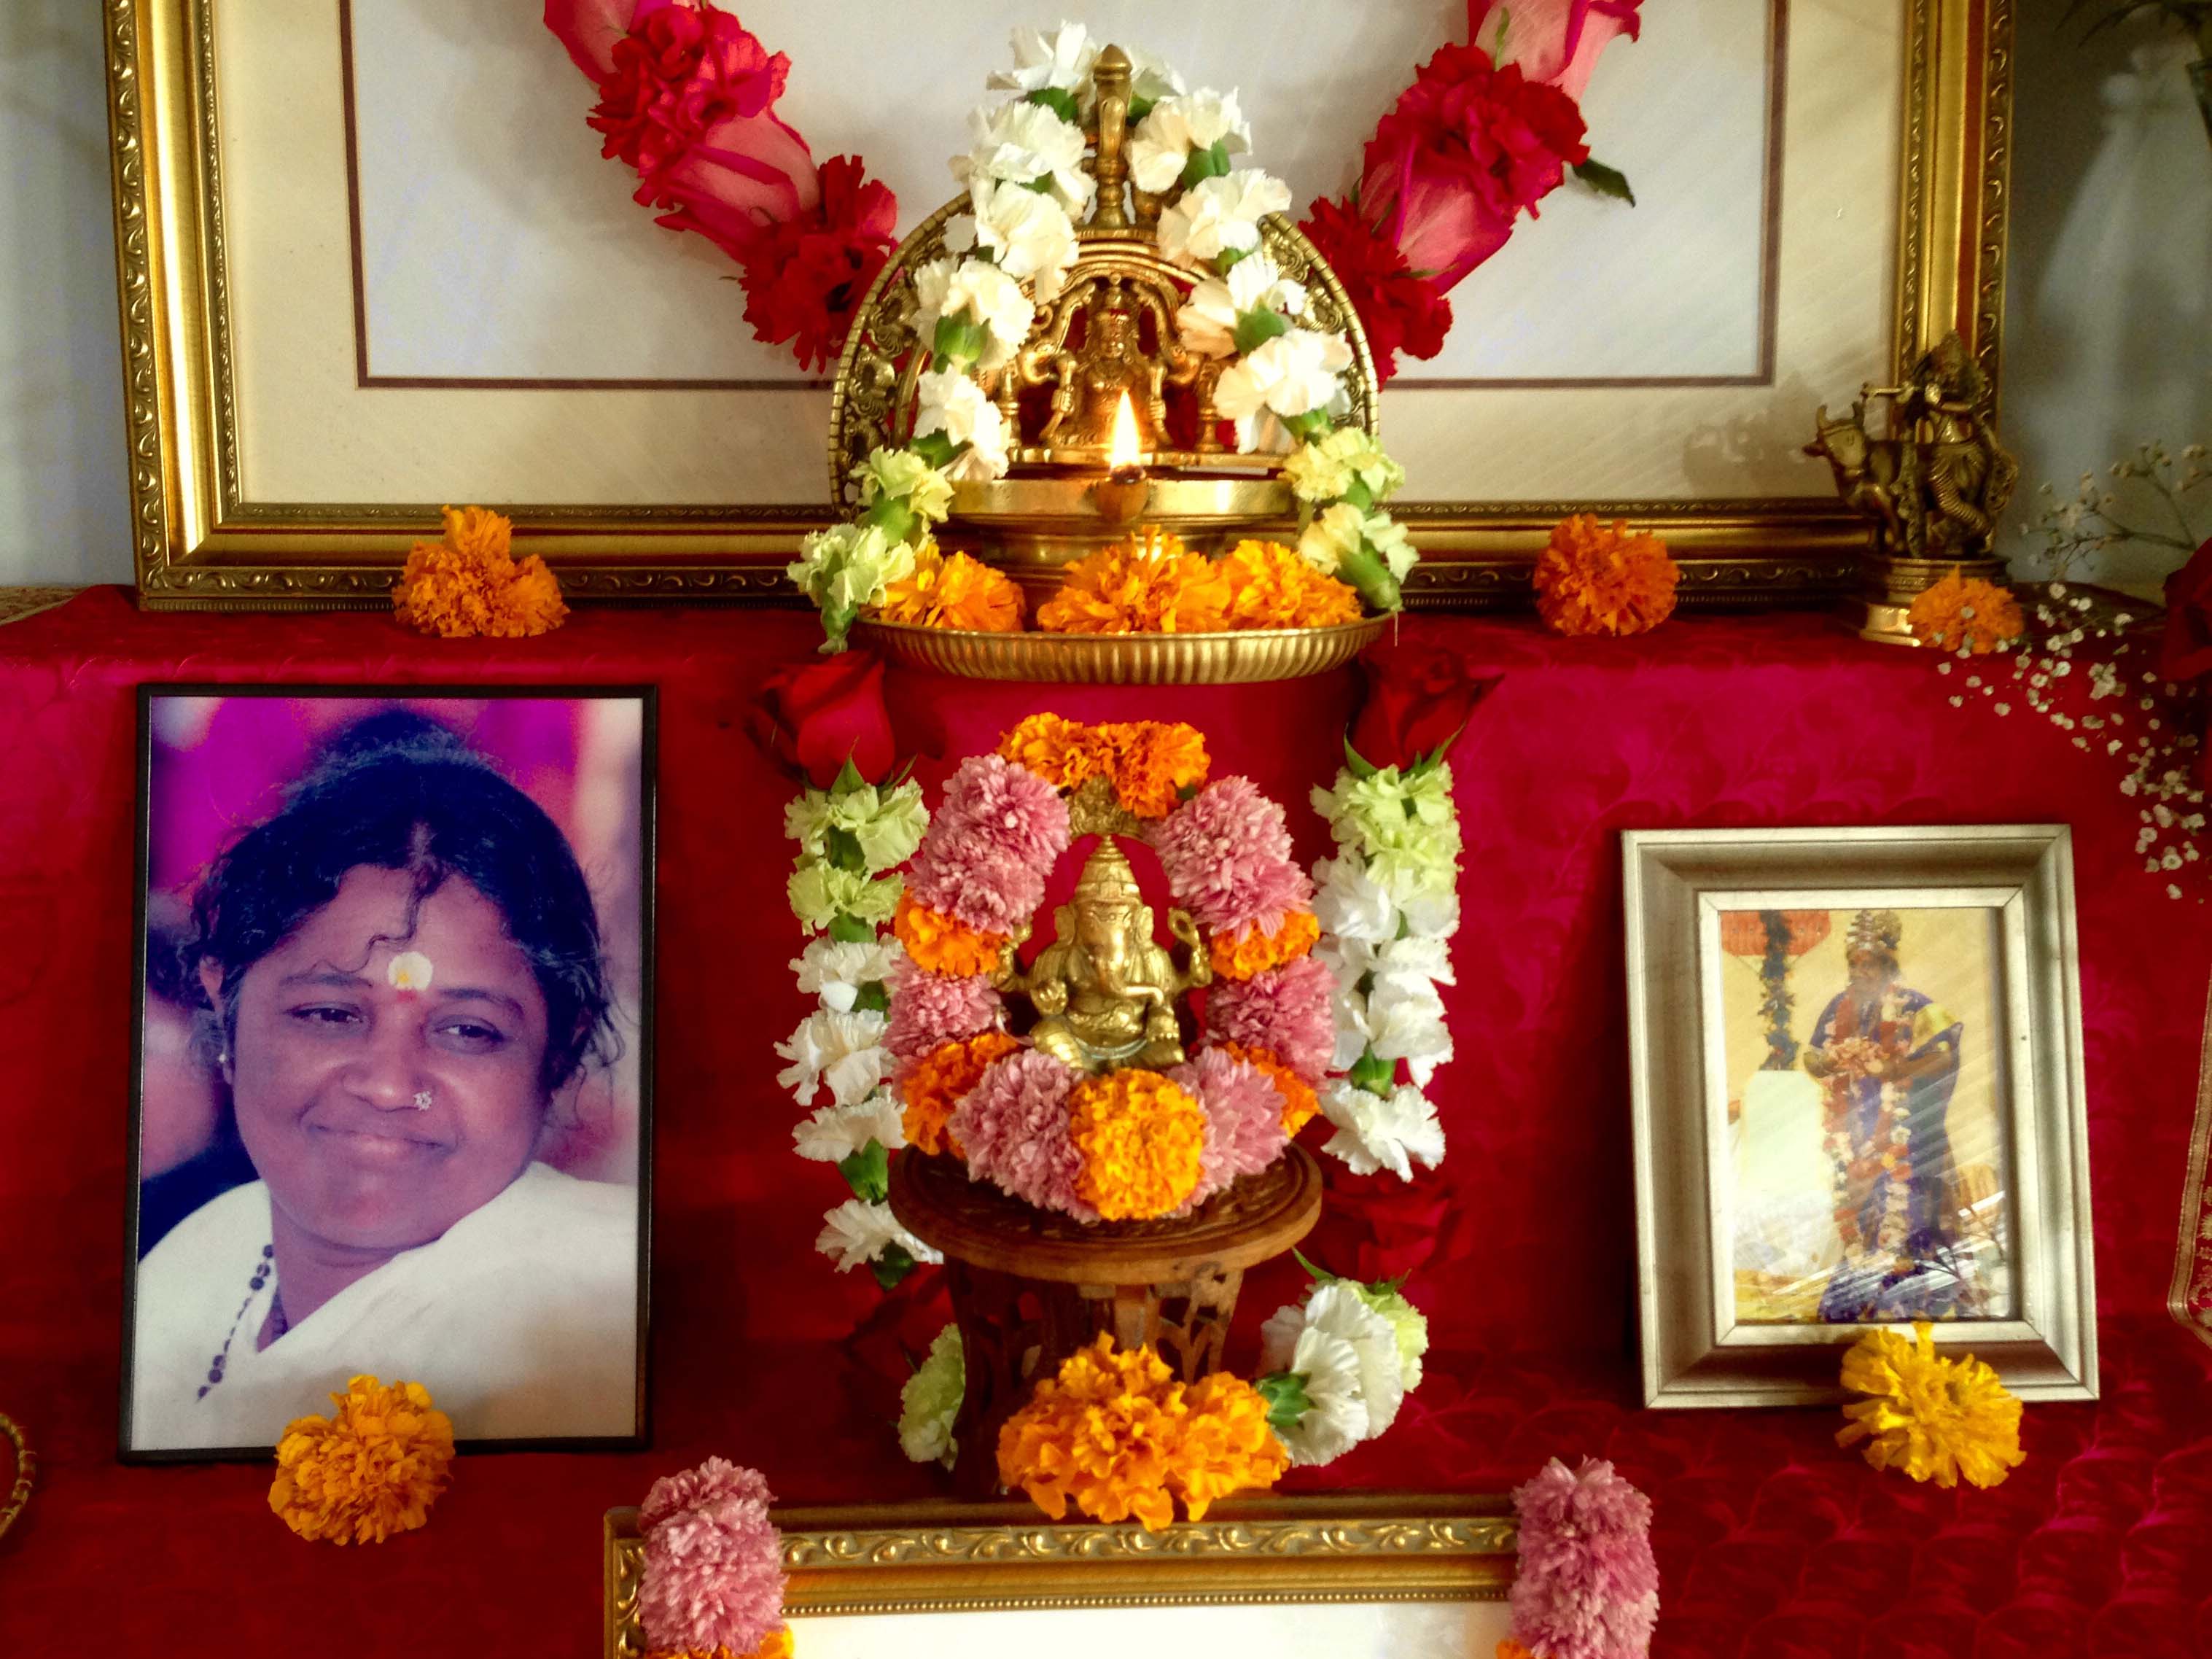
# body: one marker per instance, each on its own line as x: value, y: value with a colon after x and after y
x: 1588, y: 1585
x: 1287, y: 1011
x: 991, y: 847
x: 930, y: 1010
x: 1243, y: 1119
x: 1228, y: 857
x: 1013, y: 1126
x: 713, y: 1569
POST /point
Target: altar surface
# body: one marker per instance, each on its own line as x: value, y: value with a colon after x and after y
x: 1771, y: 1541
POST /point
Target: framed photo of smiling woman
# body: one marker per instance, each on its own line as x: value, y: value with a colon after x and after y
x: 393, y: 1062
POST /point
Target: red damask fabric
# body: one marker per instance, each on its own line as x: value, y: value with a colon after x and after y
x: 1771, y: 1542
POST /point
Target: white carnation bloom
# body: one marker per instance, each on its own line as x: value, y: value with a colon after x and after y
x: 1383, y: 1132
x: 856, y: 1232
x: 1062, y: 59
x: 835, y: 970
x: 954, y: 404
x: 1350, y: 903
x: 1349, y: 1005
x: 1405, y: 1019
x: 1335, y: 1311
x: 1164, y: 140
x: 1336, y: 1415
x: 1029, y: 234
x: 844, y: 1050
x: 1255, y: 282
x: 834, y: 1134
x: 1151, y: 78
x: 986, y: 295
x: 1028, y: 143
x: 1294, y: 373
x: 1430, y: 909
x: 1221, y: 215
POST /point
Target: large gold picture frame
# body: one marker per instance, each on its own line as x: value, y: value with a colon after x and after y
x: 945, y: 1558
x: 199, y: 543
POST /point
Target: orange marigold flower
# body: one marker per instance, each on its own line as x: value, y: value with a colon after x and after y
x: 1153, y: 763
x: 1300, y: 1104
x: 468, y: 584
x: 1065, y: 753
x: 953, y: 591
x: 371, y: 1468
x: 1119, y: 1437
x: 776, y: 1644
x: 1270, y: 586
x: 1962, y: 613
x: 936, y: 942
x: 1248, y: 952
x: 1150, y: 583
x: 1141, y: 1137
x: 939, y: 1080
x: 1595, y: 581
x: 1509, y: 1649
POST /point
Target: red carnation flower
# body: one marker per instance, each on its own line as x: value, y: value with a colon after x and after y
x: 803, y: 280
x: 1469, y: 147
x: 678, y: 74
x: 1400, y: 311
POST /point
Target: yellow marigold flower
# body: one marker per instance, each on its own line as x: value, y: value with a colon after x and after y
x: 1594, y: 580
x: 953, y: 591
x: 1116, y: 1435
x: 1065, y: 753
x: 936, y: 942
x: 1150, y: 583
x: 1963, y: 614
x: 468, y: 584
x: 1929, y: 1416
x: 1250, y: 952
x: 1152, y: 762
x: 938, y: 1083
x: 1271, y: 585
x: 1300, y: 1104
x: 372, y: 1468
x: 1141, y: 1137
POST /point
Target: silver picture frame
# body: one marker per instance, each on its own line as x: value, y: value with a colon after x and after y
x: 1696, y: 1352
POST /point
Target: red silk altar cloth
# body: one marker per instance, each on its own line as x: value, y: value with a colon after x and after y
x: 1771, y: 1540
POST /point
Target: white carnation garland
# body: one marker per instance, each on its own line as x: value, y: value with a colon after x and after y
x: 1283, y: 386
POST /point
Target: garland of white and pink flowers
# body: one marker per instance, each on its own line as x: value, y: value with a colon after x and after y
x: 1283, y: 387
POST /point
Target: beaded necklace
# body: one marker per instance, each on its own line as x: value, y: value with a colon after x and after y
x: 278, y: 1323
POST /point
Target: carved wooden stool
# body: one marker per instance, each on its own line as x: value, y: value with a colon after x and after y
x: 1030, y: 1287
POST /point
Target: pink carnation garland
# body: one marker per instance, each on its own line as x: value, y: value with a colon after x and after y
x: 1013, y: 1126
x: 712, y: 1573
x: 1287, y: 1011
x: 1243, y: 1119
x: 991, y: 847
x: 1228, y: 857
x: 1587, y: 1585
x: 930, y: 1010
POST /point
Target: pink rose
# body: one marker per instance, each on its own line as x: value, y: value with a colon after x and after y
x: 1555, y: 42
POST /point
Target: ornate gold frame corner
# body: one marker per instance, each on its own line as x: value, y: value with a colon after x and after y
x: 968, y: 1557
x: 198, y: 545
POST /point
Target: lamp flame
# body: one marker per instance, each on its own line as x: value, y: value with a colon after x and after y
x: 1123, y: 452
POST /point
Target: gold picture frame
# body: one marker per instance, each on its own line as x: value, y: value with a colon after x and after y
x: 2013, y: 886
x: 966, y: 1557
x: 199, y: 544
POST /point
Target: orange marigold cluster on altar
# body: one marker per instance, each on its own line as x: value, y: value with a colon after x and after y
x: 1966, y: 614
x: 468, y: 583
x: 776, y: 1644
x: 1151, y: 763
x: 371, y: 1468
x: 1270, y: 586
x: 1300, y: 1104
x: 1142, y: 1138
x: 950, y: 590
x: 1250, y: 951
x: 942, y: 946
x: 1592, y: 580
x: 1120, y: 1437
x: 939, y: 1080
x: 1150, y: 583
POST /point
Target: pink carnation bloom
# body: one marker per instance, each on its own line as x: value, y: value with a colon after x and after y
x: 1287, y: 1011
x: 976, y: 882
x: 930, y: 1010
x: 1587, y: 1586
x: 1228, y: 857
x: 713, y: 1570
x: 1013, y: 1126
x: 992, y: 799
x: 1244, y: 1120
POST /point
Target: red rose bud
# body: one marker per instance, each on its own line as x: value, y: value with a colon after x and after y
x: 1419, y: 698
x: 815, y: 716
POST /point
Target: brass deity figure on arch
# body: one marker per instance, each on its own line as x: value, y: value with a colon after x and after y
x: 1106, y: 992
x: 1921, y: 461
x: 1088, y: 381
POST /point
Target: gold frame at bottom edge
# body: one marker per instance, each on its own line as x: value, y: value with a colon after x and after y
x: 961, y: 1558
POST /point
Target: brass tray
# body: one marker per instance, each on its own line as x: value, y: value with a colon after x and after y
x: 1237, y: 658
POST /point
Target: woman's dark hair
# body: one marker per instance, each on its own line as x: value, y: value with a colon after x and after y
x: 397, y: 791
